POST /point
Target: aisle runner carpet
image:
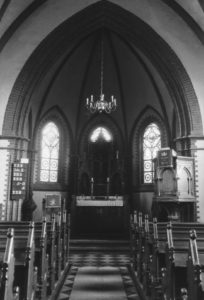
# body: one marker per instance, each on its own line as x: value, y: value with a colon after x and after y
x: 102, y: 283
x: 98, y: 283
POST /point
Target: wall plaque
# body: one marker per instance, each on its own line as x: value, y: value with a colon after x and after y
x: 18, y: 181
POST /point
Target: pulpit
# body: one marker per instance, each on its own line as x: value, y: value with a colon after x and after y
x: 174, y: 197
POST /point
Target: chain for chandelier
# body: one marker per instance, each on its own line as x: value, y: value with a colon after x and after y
x: 101, y: 105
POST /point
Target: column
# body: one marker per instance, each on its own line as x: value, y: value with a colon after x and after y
x: 5, y: 175
x: 199, y: 178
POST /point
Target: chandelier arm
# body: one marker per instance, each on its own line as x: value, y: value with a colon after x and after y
x: 92, y: 109
x: 102, y: 63
x: 108, y: 111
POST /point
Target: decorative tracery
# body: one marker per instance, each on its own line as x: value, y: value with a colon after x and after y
x: 100, y: 133
x: 151, y: 144
x: 49, y: 153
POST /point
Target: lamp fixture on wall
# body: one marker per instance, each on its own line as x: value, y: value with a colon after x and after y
x: 101, y: 105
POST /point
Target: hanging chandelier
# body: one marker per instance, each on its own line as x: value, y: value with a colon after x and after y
x: 101, y: 105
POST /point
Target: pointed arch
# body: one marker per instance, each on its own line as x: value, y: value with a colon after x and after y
x: 99, y: 159
x: 105, y: 121
x: 151, y: 143
x: 148, y: 116
x: 49, y: 152
x: 55, y: 121
x: 100, y: 133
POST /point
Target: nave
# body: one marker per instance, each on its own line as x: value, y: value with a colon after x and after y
x: 102, y: 107
x: 156, y: 261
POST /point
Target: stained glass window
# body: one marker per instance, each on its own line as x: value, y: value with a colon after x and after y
x: 49, y: 153
x: 151, y: 144
x: 100, y: 133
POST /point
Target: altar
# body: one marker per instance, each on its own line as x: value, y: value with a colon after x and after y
x: 99, y: 201
x: 100, y: 216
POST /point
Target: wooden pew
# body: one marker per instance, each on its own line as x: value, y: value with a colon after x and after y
x: 132, y: 232
x: 66, y: 222
x: 134, y: 238
x: 163, y: 269
x: 147, y: 255
x: 7, y: 290
x: 55, y: 204
x: 58, y: 242
x: 148, y: 244
x: 52, y: 253
x: 150, y: 253
x: 51, y: 249
x: 25, y: 275
x: 57, y: 247
x: 195, y: 268
x: 141, y: 235
x: 140, y: 246
x: 175, y: 275
x: 40, y: 256
x: 140, y: 243
x: 64, y: 239
x: 65, y: 235
x: 157, y: 260
x: 58, y: 234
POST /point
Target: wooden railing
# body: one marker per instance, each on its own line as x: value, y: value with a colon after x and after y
x: 34, y: 256
x: 168, y: 258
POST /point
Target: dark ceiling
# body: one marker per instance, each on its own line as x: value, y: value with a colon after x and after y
x: 127, y: 74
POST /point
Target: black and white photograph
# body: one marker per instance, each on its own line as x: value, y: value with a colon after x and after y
x: 101, y: 149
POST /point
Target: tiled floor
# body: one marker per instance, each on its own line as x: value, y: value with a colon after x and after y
x: 98, y: 259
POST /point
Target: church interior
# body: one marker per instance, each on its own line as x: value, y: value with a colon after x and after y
x: 102, y: 149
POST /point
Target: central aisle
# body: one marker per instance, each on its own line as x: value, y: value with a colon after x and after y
x: 98, y: 283
x: 99, y: 270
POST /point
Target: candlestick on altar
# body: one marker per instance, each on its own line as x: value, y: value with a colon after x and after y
x: 135, y: 217
x: 92, y: 183
x: 108, y: 186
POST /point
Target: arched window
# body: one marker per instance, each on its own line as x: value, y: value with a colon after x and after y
x: 151, y: 144
x: 100, y: 133
x: 49, y: 155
